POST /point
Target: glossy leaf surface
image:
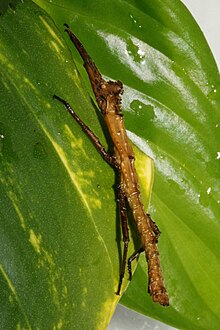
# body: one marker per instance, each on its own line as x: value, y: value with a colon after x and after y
x: 171, y: 106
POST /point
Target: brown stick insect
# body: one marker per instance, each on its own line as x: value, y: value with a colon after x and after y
x: 108, y: 97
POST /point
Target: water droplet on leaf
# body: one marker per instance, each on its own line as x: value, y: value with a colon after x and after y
x: 2, y: 137
x: 214, y: 93
x: 142, y: 109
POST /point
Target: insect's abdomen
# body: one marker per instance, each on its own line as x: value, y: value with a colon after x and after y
x: 149, y: 234
x: 129, y: 184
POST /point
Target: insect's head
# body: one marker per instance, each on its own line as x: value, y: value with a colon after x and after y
x: 109, y: 93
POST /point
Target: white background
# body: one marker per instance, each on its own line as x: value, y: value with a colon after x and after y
x: 207, y: 15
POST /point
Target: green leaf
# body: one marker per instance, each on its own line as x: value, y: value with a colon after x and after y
x: 171, y: 106
x: 59, y: 256
x: 60, y: 242
x: 172, y: 103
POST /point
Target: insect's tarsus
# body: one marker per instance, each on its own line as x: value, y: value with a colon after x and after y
x: 134, y: 256
x: 108, y: 96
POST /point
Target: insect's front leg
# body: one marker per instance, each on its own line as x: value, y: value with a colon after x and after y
x: 95, y: 140
x: 125, y: 233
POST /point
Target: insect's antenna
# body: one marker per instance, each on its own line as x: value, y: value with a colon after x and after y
x: 89, y: 65
x: 101, y: 88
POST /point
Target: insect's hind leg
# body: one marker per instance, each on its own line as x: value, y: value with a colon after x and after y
x: 134, y: 256
x: 125, y: 232
x: 95, y: 140
x: 137, y: 253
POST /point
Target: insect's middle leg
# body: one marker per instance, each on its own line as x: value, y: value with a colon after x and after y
x: 153, y: 226
x: 125, y: 232
x: 95, y: 140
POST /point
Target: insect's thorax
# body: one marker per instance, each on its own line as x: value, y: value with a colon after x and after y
x: 125, y: 158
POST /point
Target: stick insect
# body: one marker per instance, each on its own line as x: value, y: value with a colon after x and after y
x: 108, y: 97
